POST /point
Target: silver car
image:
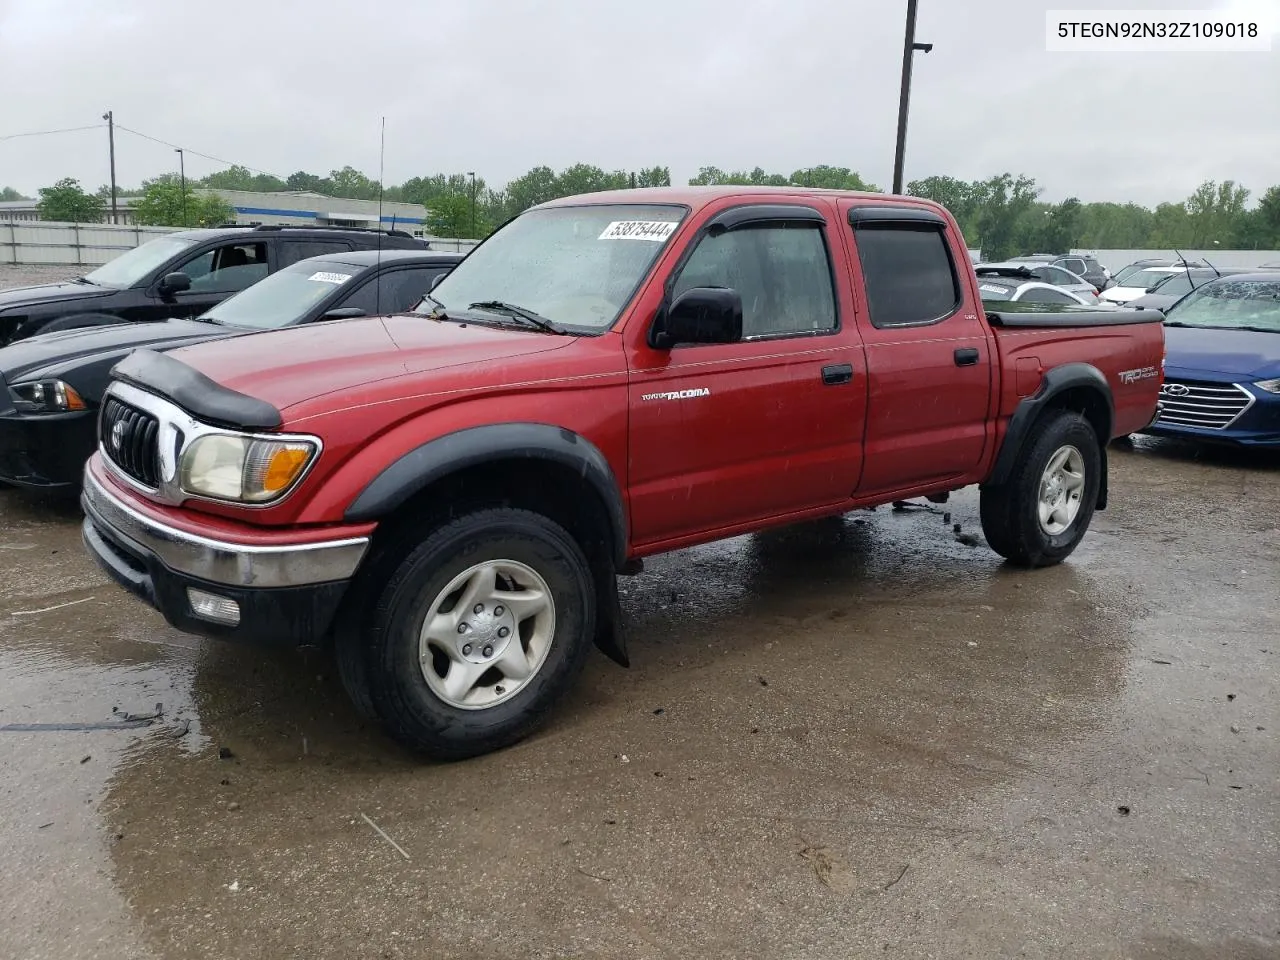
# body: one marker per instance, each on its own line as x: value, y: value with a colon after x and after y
x: 1044, y: 273
x: 1018, y: 290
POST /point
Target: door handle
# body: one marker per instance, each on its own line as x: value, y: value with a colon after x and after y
x: 966, y: 356
x: 837, y: 373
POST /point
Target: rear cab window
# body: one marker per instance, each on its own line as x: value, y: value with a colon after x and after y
x: 908, y: 273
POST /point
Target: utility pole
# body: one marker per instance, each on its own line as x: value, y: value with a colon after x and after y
x: 909, y: 47
x: 109, y: 116
x: 182, y: 174
x: 472, y: 175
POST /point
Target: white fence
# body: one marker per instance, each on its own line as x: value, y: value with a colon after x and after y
x: 73, y: 244
x: 92, y: 244
x: 1114, y: 260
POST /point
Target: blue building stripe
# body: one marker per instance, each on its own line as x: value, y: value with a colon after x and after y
x: 313, y: 214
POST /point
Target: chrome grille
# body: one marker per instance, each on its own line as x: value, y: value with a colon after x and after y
x: 129, y: 436
x: 1209, y: 406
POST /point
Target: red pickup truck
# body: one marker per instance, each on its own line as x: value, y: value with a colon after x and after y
x: 449, y: 495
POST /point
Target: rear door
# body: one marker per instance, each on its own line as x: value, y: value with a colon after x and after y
x: 727, y: 434
x: 929, y: 355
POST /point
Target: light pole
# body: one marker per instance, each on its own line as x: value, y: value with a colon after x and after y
x: 909, y: 47
x: 472, y: 175
x: 109, y: 116
x: 182, y: 174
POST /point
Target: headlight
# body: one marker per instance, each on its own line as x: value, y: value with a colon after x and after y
x: 49, y: 396
x: 244, y: 469
x: 1271, y: 386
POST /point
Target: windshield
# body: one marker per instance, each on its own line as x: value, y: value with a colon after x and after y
x: 1231, y: 304
x: 283, y: 298
x: 1145, y: 278
x: 130, y: 268
x: 576, y: 266
x: 1179, y: 283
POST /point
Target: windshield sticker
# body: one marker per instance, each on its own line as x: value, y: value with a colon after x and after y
x: 330, y: 277
x: 990, y: 288
x: 657, y: 230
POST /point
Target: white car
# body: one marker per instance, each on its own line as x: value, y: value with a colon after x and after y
x: 1046, y: 273
x: 1139, y: 283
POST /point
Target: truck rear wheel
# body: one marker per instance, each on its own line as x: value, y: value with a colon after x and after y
x: 1040, y: 514
x: 480, y: 630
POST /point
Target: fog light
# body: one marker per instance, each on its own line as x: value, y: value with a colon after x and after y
x: 209, y: 606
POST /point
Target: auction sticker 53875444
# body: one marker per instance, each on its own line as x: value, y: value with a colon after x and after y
x: 657, y: 230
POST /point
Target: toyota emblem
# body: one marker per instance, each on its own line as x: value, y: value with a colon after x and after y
x: 117, y: 434
x: 1175, y: 390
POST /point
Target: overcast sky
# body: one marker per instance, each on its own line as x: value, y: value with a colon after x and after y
x: 499, y: 86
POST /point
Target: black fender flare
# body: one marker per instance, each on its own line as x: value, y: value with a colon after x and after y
x: 436, y: 459
x: 1056, y: 382
x: 472, y: 446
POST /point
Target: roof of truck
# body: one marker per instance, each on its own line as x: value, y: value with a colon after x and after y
x: 697, y: 197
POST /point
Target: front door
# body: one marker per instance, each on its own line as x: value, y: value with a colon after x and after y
x: 929, y: 356
x: 216, y: 273
x: 725, y: 434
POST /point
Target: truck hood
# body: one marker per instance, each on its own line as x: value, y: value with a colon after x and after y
x: 82, y: 357
x: 18, y: 297
x: 288, y: 367
x: 1240, y: 353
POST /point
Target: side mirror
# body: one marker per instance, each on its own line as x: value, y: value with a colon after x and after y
x: 342, y: 313
x: 701, y: 315
x: 174, y: 283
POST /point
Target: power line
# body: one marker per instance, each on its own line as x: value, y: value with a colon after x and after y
x: 45, y: 133
x: 228, y: 163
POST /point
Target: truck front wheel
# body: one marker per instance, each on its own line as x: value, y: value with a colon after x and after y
x: 480, y: 630
x: 1039, y: 515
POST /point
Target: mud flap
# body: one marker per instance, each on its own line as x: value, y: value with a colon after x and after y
x: 610, y: 637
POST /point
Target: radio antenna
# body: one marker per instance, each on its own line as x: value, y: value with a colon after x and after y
x: 377, y: 280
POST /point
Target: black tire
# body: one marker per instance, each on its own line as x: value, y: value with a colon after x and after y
x: 382, y: 662
x: 1010, y: 519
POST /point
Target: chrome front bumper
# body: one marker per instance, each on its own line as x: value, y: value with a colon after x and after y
x: 218, y: 561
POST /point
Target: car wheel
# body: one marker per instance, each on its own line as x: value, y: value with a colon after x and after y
x: 479, y: 632
x: 1038, y: 517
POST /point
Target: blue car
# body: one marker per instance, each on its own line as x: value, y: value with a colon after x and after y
x: 1222, y: 365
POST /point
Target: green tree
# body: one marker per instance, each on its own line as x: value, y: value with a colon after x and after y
x: 450, y: 216
x: 1002, y: 202
x: 10, y: 194
x: 309, y: 182
x: 831, y: 178
x: 653, y: 177
x: 1215, y: 213
x: 242, y: 178
x: 957, y: 196
x: 161, y: 205
x: 350, y: 184
x: 67, y: 202
x: 1260, y: 229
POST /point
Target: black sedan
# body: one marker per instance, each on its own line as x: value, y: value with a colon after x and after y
x: 51, y: 385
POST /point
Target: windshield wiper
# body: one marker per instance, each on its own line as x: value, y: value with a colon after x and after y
x: 520, y: 313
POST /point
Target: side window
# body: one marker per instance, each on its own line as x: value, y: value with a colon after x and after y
x: 1075, y: 265
x: 908, y: 273
x: 782, y: 272
x: 365, y: 297
x: 291, y: 251
x: 402, y: 289
x: 1060, y: 277
x: 1045, y: 295
x: 227, y: 269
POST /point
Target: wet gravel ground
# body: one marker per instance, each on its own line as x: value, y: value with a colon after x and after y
x: 854, y: 738
x: 859, y: 737
x: 25, y: 275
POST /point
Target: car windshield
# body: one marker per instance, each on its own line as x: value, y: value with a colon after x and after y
x: 577, y: 266
x: 1125, y: 273
x: 1143, y: 279
x: 994, y: 291
x: 1176, y: 284
x: 285, y: 297
x: 131, y: 268
x: 1231, y: 304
